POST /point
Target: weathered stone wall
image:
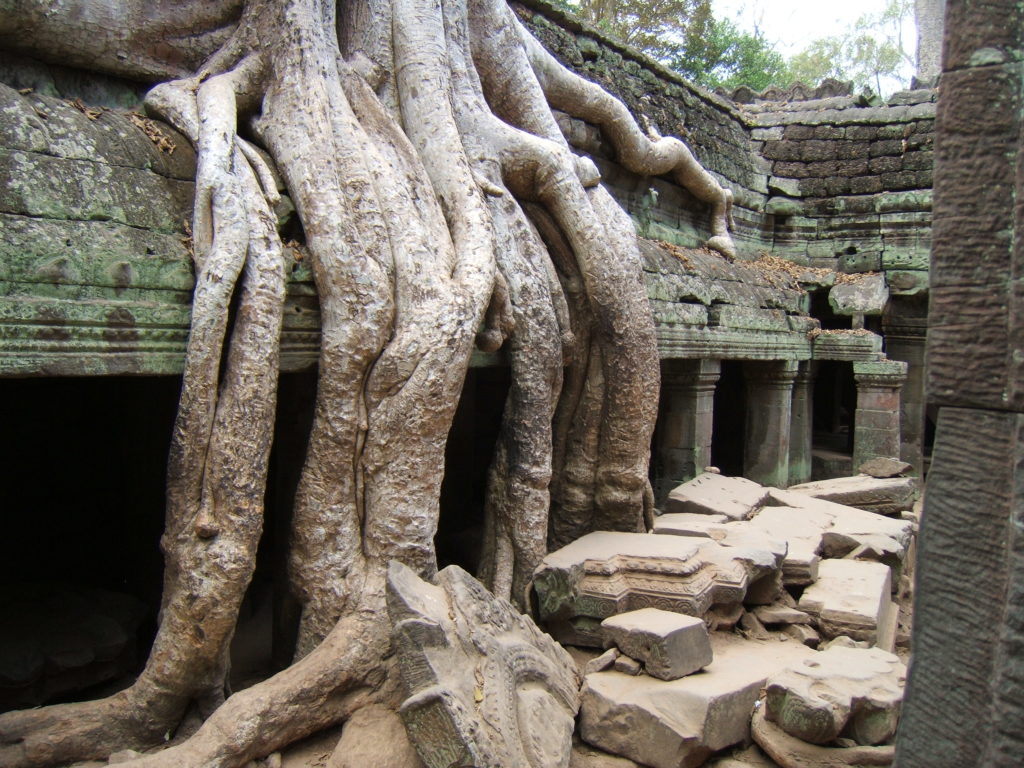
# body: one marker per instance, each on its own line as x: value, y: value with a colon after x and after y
x: 96, y: 275
x: 832, y: 182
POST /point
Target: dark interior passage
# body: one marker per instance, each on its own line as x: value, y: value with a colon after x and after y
x: 729, y: 419
x: 471, y: 443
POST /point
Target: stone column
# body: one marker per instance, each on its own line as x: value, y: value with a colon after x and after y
x: 684, y: 431
x: 905, y: 340
x: 769, y: 410
x: 800, y: 424
x: 876, y: 428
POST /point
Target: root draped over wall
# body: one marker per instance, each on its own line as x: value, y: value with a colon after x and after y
x: 441, y: 207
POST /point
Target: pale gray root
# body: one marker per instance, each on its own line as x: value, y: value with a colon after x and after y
x: 214, y: 498
x: 578, y: 414
x: 413, y: 232
x: 520, y: 475
x: 613, y: 285
x: 345, y: 672
x: 653, y: 156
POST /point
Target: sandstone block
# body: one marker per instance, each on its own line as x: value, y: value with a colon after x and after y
x: 790, y: 752
x: 804, y: 634
x: 710, y: 494
x: 626, y: 665
x: 680, y: 723
x: 850, y: 692
x: 881, y: 467
x: 670, y: 645
x: 602, y: 662
x: 780, y: 614
x: 886, y: 496
x: 375, y: 736
x: 850, y: 597
x: 866, y: 295
x: 687, y: 524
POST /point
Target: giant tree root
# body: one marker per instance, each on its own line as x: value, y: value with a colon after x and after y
x: 438, y: 200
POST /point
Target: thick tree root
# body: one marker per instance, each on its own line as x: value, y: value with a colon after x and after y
x: 437, y: 198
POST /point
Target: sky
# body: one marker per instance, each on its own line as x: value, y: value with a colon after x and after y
x: 792, y: 24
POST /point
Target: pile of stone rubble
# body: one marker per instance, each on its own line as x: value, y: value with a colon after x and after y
x: 747, y: 614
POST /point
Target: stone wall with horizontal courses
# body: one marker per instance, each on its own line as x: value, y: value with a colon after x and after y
x: 842, y: 182
x: 95, y: 276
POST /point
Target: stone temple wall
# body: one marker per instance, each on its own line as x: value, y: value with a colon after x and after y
x: 95, y: 275
x: 834, y: 181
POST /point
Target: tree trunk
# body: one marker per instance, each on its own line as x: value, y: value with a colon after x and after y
x: 929, y: 15
x: 440, y: 205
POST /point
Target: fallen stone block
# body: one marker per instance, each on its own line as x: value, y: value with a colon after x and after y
x: 607, y: 573
x: 886, y: 496
x: 790, y: 752
x: 801, y: 529
x: 864, y: 295
x: 680, y: 723
x: 585, y: 756
x: 602, y: 662
x: 851, y: 692
x: 486, y: 687
x: 781, y: 614
x: 834, y: 530
x: 850, y: 597
x: 670, y: 645
x: 688, y: 524
x: 375, y: 736
x: 751, y: 757
x: 803, y: 633
x: 882, y: 467
x: 714, y: 494
x: 626, y: 665
x: 752, y: 627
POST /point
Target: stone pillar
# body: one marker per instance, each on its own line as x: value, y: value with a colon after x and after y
x: 800, y: 424
x: 876, y: 427
x: 904, y: 328
x: 769, y: 409
x: 684, y: 431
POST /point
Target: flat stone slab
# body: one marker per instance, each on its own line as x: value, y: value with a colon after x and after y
x: 884, y: 495
x: 688, y: 524
x: 668, y: 724
x: 851, y: 692
x: 850, y: 597
x: 670, y: 645
x: 713, y: 494
x: 607, y: 573
x: 781, y: 614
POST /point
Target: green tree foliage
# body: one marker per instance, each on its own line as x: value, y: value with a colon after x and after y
x: 685, y: 35
x: 729, y: 57
x: 666, y: 30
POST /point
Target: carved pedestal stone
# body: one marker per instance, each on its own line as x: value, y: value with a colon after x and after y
x: 604, y: 573
x: 486, y: 687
